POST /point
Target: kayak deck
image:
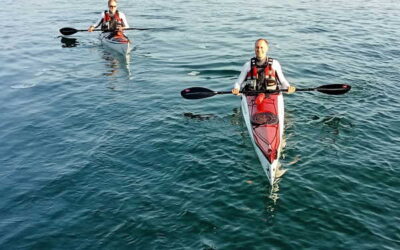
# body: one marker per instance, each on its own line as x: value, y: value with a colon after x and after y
x: 264, y: 117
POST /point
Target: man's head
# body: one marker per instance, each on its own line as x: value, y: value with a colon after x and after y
x: 261, y: 48
x: 112, y: 6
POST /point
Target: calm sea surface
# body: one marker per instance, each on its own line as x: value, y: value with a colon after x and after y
x: 100, y: 152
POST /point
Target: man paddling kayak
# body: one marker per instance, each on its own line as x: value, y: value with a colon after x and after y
x: 112, y: 20
x: 262, y: 72
x: 263, y: 106
x: 264, y: 113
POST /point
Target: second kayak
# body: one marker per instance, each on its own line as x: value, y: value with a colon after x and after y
x: 119, y: 43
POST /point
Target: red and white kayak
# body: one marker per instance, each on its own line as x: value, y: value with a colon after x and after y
x: 119, y: 43
x: 264, y: 117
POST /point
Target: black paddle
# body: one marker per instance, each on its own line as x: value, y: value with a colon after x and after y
x: 200, y: 93
x: 70, y: 31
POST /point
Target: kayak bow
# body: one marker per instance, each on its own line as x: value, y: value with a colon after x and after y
x: 264, y: 118
x: 120, y: 44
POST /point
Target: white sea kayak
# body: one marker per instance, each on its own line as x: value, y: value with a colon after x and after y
x: 120, y: 44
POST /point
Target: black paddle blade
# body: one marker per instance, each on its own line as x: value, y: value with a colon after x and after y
x: 334, y: 89
x: 68, y: 31
x: 197, y: 93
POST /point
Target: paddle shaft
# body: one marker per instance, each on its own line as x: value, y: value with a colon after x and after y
x: 200, y: 93
x: 279, y: 90
x: 67, y: 31
x: 261, y: 91
x: 123, y: 29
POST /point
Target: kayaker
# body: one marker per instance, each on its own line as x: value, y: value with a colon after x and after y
x: 111, y: 20
x: 262, y: 72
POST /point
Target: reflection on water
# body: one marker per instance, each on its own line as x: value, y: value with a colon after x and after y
x: 68, y: 42
x: 333, y: 122
x: 272, y: 197
x: 200, y: 117
x: 236, y: 117
x: 115, y: 63
x: 332, y: 127
x: 273, y: 190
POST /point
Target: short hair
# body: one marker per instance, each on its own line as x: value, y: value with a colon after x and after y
x: 262, y: 39
x: 109, y: 1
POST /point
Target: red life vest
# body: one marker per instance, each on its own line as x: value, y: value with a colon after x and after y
x: 110, y: 22
x: 269, y: 73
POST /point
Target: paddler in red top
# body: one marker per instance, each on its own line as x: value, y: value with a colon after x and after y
x: 112, y: 20
x: 262, y: 72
